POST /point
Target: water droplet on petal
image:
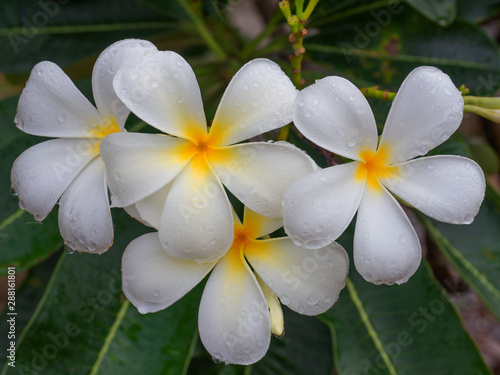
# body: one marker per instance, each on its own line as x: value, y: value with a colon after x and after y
x: 68, y: 249
x: 61, y: 117
x: 13, y: 192
x: 156, y: 293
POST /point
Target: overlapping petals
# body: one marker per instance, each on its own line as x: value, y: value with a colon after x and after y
x: 317, y: 208
x: 239, y: 308
x: 69, y: 170
x: 161, y: 88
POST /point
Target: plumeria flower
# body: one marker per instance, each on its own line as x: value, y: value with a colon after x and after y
x: 69, y: 170
x: 425, y: 112
x: 183, y: 173
x: 240, y: 306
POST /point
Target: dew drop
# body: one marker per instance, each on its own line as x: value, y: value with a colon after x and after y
x: 117, y: 176
x: 68, y: 249
x: 402, y: 239
x: 431, y: 166
x: 245, y: 86
x: 13, y: 192
x: 156, y: 293
x: 217, y: 358
x: 469, y: 218
x: 61, y: 117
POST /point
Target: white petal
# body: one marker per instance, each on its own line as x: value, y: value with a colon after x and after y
x: 84, y: 216
x: 161, y: 89
x: 197, y: 220
x: 386, y: 247
x: 152, y: 279
x: 427, y: 109
x: 234, y: 321
x: 259, y: 98
x: 307, y: 281
x: 51, y: 105
x: 319, y: 207
x: 446, y: 188
x: 258, y: 173
x: 257, y: 225
x: 335, y: 115
x: 105, y: 68
x: 150, y: 209
x: 138, y: 165
x: 41, y: 173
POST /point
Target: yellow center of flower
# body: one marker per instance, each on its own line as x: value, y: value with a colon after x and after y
x: 374, y: 165
x: 105, y: 127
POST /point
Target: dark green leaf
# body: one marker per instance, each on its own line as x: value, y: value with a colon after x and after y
x: 306, y: 348
x: 382, y: 48
x: 474, y: 250
x: 442, y: 12
x: 478, y: 10
x: 67, y: 31
x: 83, y: 326
x: 408, y: 329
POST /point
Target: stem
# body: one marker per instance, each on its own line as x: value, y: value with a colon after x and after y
x: 491, y: 103
x: 204, y: 31
x: 309, y: 9
x: 374, y: 92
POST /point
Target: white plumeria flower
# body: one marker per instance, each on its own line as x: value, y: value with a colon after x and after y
x: 425, y: 112
x: 183, y: 174
x: 69, y: 170
x: 239, y: 308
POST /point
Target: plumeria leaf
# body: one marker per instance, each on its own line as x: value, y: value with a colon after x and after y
x: 391, y: 41
x: 87, y: 327
x: 52, y: 30
x: 474, y: 250
x: 30, y: 289
x: 425, y: 334
x: 440, y: 11
x: 477, y: 11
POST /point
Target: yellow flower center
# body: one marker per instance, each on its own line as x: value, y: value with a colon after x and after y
x: 374, y: 165
x: 105, y: 127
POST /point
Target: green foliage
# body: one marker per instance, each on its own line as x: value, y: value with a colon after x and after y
x: 73, y: 318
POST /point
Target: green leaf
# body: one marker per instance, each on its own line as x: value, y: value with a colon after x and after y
x: 402, y: 329
x: 474, y: 250
x: 24, y: 242
x: 67, y: 31
x: 82, y: 325
x: 442, y: 12
x: 382, y: 48
x: 478, y: 10
x: 27, y: 297
x: 305, y: 349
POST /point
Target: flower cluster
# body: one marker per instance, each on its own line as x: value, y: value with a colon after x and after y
x: 176, y: 182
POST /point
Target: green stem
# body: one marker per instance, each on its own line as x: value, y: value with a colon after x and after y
x: 491, y: 103
x: 374, y: 92
x: 309, y: 9
x: 204, y: 32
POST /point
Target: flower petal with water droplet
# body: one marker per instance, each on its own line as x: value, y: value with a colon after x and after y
x: 41, y: 173
x: 446, y: 188
x: 335, y: 115
x: 152, y: 279
x: 386, y: 247
x: 256, y: 225
x: 197, y: 220
x: 161, y: 88
x: 307, y: 281
x: 51, y: 105
x: 258, y: 99
x: 318, y: 207
x: 234, y: 321
x: 84, y: 216
x: 258, y: 173
x: 138, y: 165
x: 426, y: 111
x: 105, y: 68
